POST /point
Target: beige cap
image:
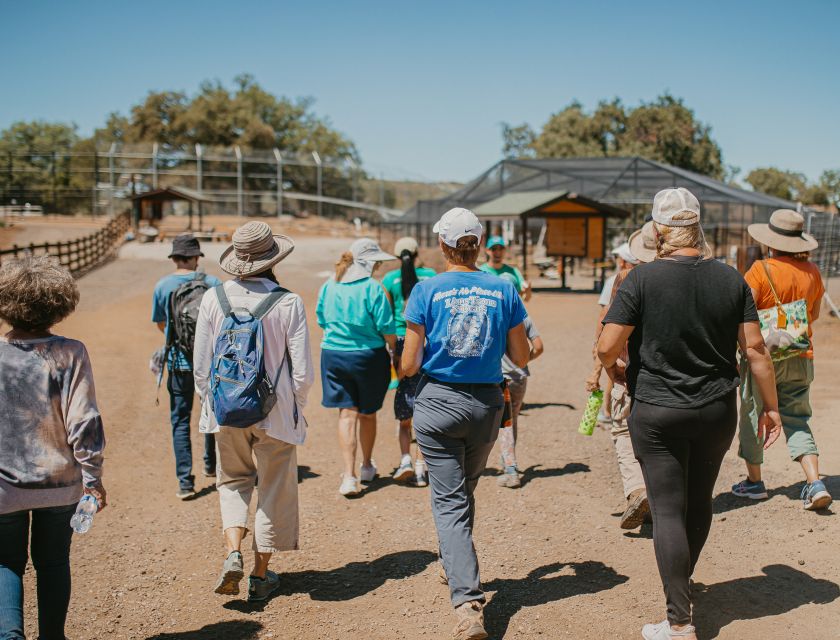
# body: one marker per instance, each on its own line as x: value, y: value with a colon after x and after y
x: 669, y: 202
x: 255, y: 248
x: 643, y: 243
x: 405, y: 244
x: 784, y: 232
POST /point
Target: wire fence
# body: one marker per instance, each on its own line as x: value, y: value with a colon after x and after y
x: 82, y: 254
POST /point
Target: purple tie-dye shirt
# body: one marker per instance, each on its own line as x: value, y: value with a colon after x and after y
x: 51, y: 435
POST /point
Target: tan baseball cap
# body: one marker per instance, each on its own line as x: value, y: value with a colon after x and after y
x: 670, y: 202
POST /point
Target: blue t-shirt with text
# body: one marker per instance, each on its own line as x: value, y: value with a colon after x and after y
x: 467, y: 316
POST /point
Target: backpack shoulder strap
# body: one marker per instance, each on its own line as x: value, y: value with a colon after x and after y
x: 770, y: 282
x: 269, y: 302
x: 224, y: 303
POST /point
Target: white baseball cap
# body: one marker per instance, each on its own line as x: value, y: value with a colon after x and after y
x: 623, y: 252
x: 366, y: 253
x: 669, y: 202
x: 456, y: 224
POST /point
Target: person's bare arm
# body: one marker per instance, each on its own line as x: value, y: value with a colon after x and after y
x: 391, y: 341
x: 537, y: 348
x: 518, y: 349
x: 612, y: 341
x: 752, y: 346
x: 412, y: 355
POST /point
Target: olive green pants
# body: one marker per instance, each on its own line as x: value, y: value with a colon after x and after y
x: 793, y: 384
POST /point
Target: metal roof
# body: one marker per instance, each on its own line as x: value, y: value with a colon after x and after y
x: 516, y: 203
x: 172, y: 193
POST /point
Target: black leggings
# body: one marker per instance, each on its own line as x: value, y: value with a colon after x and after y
x: 680, y: 452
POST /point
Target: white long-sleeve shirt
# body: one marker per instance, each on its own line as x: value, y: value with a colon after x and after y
x: 284, y: 326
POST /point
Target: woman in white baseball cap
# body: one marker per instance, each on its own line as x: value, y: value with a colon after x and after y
x: 459, y: 325
x: 355, y: 314
x: 683, y: 380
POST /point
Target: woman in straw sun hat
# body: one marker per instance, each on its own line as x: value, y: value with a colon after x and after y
x: 268, y: 448
x: 793, y: 276
x: 355, y: 314
x: 684, y: 314
x: 459, y: 325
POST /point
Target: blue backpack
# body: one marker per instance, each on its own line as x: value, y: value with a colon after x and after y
x: 241, y: 391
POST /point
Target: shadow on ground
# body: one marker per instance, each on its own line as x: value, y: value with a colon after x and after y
x: 534, y: 471
x: 541, y: 587
x: 351, y: 581
x: 305, y: 472
x: 229, y: 630
x: 725, y: 501
x: 543, y: 405
x: 780, y: 590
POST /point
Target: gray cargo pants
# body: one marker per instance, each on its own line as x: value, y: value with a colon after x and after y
x: 456, y: 426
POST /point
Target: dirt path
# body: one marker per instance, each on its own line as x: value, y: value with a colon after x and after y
x: 552, y: 555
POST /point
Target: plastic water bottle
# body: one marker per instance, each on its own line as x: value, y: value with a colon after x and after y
x: 590, y: 414
x: 83, y: 518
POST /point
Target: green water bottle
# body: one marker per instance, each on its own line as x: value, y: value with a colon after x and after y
x: 590, y: 414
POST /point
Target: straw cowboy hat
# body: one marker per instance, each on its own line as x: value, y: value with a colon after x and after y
x: 643, y: 243
x: 784, y: 232
x: 255, y: 248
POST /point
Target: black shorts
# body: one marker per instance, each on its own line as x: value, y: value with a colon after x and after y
x: 355, y: 378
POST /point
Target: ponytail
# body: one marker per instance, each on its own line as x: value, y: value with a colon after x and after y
x: 407, y: 272
x: 342, y: 265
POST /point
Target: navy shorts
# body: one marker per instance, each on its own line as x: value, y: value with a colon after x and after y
x: 406, y: 391
x: 355, y: 379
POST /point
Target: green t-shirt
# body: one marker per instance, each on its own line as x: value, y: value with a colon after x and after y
x: 393, y: 285
x: 354, y: 315
x: 519, y: 281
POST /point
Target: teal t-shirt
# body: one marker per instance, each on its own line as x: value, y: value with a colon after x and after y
x: 354, y: 315
x: 393, y: 285
x: 516, y: 274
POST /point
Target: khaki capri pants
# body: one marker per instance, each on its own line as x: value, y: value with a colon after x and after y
x: 242, y: 455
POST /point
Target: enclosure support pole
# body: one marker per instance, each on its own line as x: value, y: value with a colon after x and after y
x: 239, y: 204
x: 111, y: 178
x: 199, y: 183
x: 319, y: 180
x: 279, y: 158
x: 154, y: 166
x: 95, y: 180
x: 524, y: 221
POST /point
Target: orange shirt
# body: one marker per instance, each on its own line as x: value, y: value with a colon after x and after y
x: 793, y: 280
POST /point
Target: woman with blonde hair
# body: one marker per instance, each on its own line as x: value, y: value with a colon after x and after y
x: 51, y: 440
x: 683, y: 315
x: 786, y: 277
x: 355, y: 314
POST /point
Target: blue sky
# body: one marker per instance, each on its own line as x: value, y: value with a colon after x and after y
x: 422, y: 87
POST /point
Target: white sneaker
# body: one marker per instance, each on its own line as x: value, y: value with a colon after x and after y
x: 367, y: 474
x: 421, y: 474
x: 405, y: 470
x: 663, y: 631
x: 349, y: 486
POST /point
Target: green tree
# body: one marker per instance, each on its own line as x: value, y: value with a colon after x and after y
x: 665, y: 130
x: 517, y: 141
x: 830, y: 183
x: 788, y: 185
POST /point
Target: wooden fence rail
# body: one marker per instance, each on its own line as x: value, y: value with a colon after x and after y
x: 82, y: 254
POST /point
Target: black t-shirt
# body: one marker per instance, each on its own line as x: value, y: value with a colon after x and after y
x: 686, y: 313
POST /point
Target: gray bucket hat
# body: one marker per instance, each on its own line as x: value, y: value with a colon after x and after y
x: 784, y: 232
x: 255, y: 248
x: 366, y: 253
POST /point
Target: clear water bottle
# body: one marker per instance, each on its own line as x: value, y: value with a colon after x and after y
x: 83, y: 518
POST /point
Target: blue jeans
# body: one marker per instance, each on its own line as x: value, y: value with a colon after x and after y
x: 50, y: 546
x: 181, y: 386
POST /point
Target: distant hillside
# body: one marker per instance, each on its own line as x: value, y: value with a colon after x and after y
x: 403, y: 194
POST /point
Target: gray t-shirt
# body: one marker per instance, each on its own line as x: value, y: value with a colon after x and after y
x: 509, y: 370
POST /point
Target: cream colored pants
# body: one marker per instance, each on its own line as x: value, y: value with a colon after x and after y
x: 631, y: 472
x: 243, y: 455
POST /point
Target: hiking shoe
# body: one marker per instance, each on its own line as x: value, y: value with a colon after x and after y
x: 637, y: 510
x: 815, y: 496
x: 748, y: 489
x: 470, y: 621
x: 260, y: 589
x: 232, y: 572
x: 349, y: 486
x: 509, y: 479
x: 421, y: 474
x: 368, y: 472
x: 405, y: 471
x: 209, y: 472
x: 185, y: 494
x: 663, y: 631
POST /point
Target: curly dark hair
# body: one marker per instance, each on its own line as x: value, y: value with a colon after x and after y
x: 36, y: 292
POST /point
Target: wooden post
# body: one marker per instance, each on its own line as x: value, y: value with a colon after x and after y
x: 524, y: 221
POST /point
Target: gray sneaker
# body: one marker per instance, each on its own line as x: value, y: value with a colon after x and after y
x: 260, y: 589
x: 232, y: 572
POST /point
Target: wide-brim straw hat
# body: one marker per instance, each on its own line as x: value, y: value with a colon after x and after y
x: 254, y: 250
x: 643, y: 243
x: 784, y: 232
